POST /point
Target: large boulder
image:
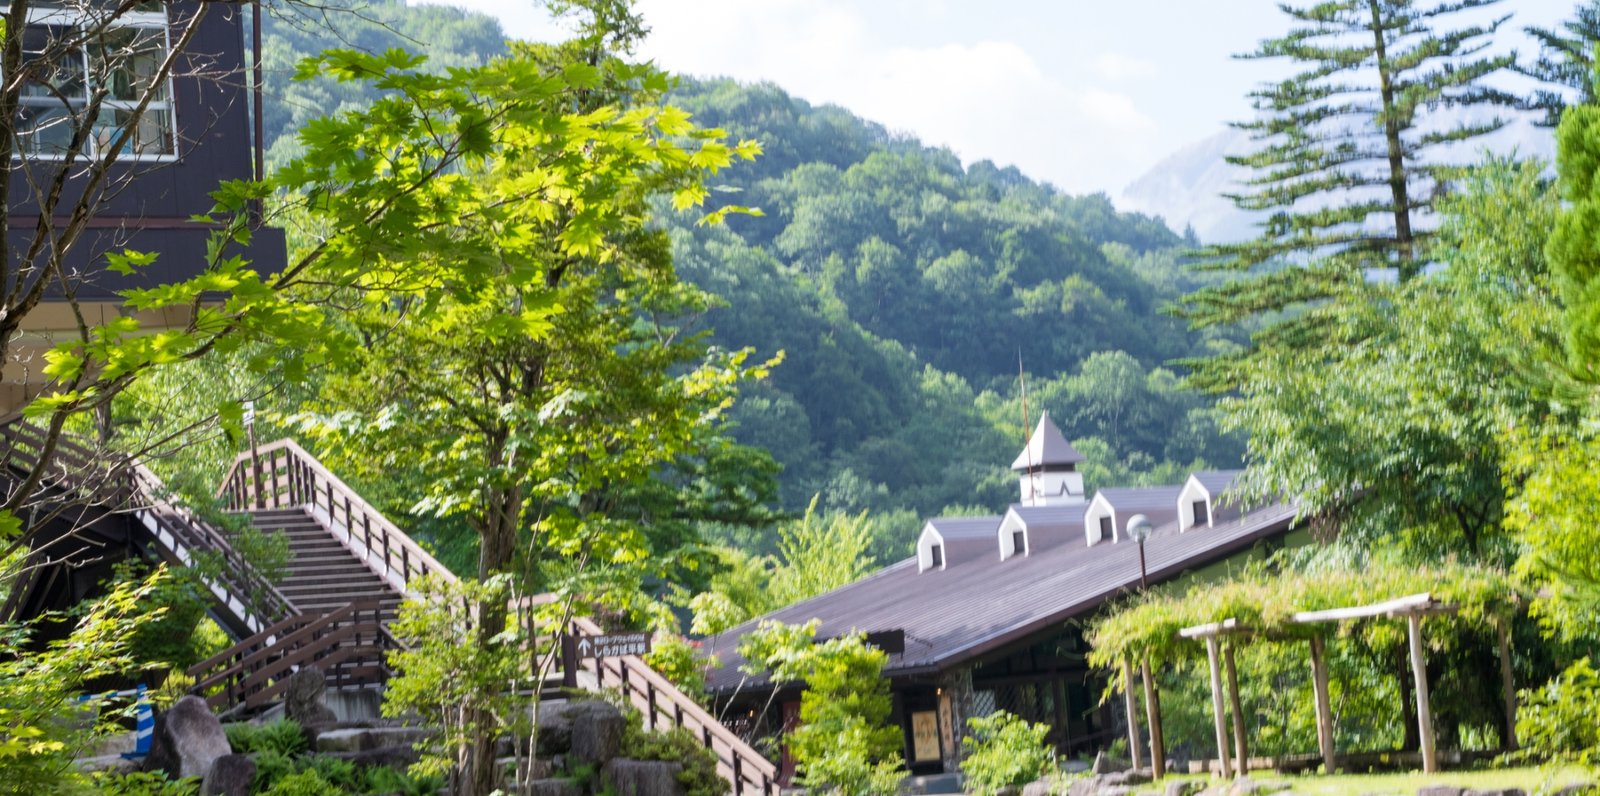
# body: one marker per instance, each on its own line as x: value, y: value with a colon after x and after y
x: 188, y: 739
x: 555, y: 729
x: 1440, y: 790
x: 364, y: 739
x: 626, y: 777
x: 230, y: 775
x: 1182, y: 787
x: 597, y: 729
x: 1038, y: 787
x: 554, y: 787
x: 302, y: 699
x: 1497, y: 792
x: 1105, y: 764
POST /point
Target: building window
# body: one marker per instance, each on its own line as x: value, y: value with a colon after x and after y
x: 936, y: 555
x: 71, y: 58
x: 1105, y: 528
x: 1202, y: 513
x: 1019, y: 543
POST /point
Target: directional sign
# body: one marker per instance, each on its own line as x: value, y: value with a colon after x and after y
x: 614, y: 646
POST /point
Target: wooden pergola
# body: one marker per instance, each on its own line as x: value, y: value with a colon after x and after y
x: 1412, y: 608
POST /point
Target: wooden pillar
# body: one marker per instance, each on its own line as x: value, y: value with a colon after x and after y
x: 1217, y: 709
x: 1152, y: 711
x: 1132, y: 708
x: 1241, y: 746
x: 1419, y: 674
x: 1319, y: 683
x: 1508, y: 686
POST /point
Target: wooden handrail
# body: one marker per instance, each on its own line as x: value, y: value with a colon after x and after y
x: 748, y: 770
x: 307, y: 482
x: 122, y: 485
x: 255, y: 670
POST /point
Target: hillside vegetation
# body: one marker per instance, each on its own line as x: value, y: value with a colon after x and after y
x: 901, y: 286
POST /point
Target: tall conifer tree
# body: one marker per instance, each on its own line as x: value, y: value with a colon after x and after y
x: 1346, y: 167
x: 1565, y: 63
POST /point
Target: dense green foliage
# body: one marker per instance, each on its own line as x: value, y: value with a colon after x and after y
x: 900, y: 324
x: 844, y: 744
x: 1004, y: 751
x: 1347, y: 168
x: 1556, y: 721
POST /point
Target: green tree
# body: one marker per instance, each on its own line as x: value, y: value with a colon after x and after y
x: 1565, y: 64
x: 1348, y: 168
x: 844, y: 743
x: 1400, y: 436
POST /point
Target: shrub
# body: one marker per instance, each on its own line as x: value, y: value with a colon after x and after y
x: 385, y: 780
x: 699, y: 775
x: 271, y: 767
x: 335, y: 771
x: 283, y: 736
x: 1558, y: 720
x: 305, y: 783
x: 143, y: 783
x: 1004, y: 750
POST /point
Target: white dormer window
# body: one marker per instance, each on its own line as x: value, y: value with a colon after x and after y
x: 1200, y: 510
x: 1100, y: 520
x: 1019, y: 543
x: 930, y: 549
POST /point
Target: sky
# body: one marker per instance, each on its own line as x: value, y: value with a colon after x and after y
x: 1085, y: 94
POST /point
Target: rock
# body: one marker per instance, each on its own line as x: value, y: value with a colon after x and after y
x: 1007, y: 790
x: 555, y: 730
x: 1105, y: 764
x: 626, y: 777
x: 230, y: 775
x: 1182, y: 787
x: 302, y: 700
x: 1137, y: 776
x: 596, y: 731
x: 390, y: 756
x: 188, y: 739
x: 114, y: 744
x: 1440, y: 790
x: 1576, y: 789
x: 1083, y: 787
x: 1114, y: 790
x: 1038, y: 787
x: 111, y: 764
x: 1497, y: 792
x: 554, y: 787
x: 1245, y: 786
x: 371, y: 738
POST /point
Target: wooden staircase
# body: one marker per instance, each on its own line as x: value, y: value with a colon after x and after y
x: 349, y: 570
x: 323, y: 574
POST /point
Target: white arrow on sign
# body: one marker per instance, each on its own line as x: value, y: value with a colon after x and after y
x: 583, y: 647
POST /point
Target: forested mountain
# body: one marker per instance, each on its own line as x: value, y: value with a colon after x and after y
x: 901, y: 286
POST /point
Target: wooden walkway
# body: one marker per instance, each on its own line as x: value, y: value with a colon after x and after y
x: 349, y: 570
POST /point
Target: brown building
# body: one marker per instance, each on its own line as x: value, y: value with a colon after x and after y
x: 988, y: 614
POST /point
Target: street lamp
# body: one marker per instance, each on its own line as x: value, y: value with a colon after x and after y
x: 1139, y: 528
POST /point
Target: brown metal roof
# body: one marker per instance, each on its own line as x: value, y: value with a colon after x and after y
x: 978, y: 604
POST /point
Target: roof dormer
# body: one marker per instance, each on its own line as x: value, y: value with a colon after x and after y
x: 1012, y: 536
x: 930, y: 549
x: 1100, y: 520
x: 1200, y: 501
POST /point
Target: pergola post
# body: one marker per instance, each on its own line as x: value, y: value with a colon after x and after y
x: 1132, y: 707
x: 1241, y: 746
x: 1508, y: 686
x: 1217, y: 708
x: 1319, y: 683
x: 1152, y: 710
x: 1419, y: 673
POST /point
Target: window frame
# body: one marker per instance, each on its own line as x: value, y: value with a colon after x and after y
x: 936, y: 556
x: 57, y: 16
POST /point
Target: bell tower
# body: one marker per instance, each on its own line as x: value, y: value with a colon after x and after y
x: 1048, y: 468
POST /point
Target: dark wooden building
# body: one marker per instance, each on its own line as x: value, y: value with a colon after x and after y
x: 987, y: 616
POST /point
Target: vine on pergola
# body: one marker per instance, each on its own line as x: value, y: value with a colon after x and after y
x: 1264, y: 604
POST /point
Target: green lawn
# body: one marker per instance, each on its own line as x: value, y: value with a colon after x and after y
x: 1534, y: 780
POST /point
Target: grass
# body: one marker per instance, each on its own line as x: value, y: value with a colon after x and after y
x: 1532, y: 779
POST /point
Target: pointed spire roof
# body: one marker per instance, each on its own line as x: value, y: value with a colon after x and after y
x: 1046, y: 447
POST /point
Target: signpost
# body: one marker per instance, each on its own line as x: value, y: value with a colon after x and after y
x: 575, y: 646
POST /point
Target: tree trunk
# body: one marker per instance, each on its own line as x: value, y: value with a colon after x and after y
x: 1399, y: 191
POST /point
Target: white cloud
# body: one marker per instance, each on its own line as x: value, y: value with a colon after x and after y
x: 1116, y: 66
x: 985, y: 99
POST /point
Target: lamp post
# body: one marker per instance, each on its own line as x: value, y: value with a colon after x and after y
x: 1139, y: 528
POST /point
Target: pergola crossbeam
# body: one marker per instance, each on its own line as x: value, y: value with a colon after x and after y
x: 1409, y: 605
x: 1213, y: 629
